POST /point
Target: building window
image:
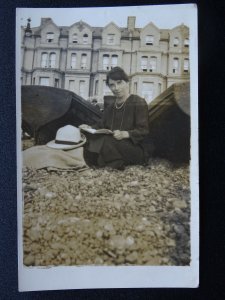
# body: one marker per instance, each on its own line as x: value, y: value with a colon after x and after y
x: 44, y: 81
x: 73, y: 61
x: 186, y: 43
x: 105, y: 62
x: 135, y: 88
x: 72, y: 85
x: 52, y: 59
x: 84, y: 61
x: 186, y: 65
x: 96, y: 87
x: 114, y: 61
x: 111, y: 39
x: 50, y: 37
x: 85, y: 38
x: 175, y: 42
x: 159, y: 88
x: 149, y: 40
x: 175, y: 65
x: 82, y: 88
x: 106, y: 89
x: 33, y: 80
x: 44, y: 60
x: 56, y: 83
x: 144, y: 63
x: 74, y: 38
x: 147, y: 91
x: 153, y: 64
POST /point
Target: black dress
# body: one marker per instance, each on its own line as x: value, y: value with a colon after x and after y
x: 131, y: 117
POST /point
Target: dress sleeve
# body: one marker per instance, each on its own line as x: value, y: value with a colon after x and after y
x: 141, y: 121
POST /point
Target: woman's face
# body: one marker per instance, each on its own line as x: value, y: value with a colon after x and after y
x: 119, y: 88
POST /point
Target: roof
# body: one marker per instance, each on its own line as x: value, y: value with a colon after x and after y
x: 97, y: 31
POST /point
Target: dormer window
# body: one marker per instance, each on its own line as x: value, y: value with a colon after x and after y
x: 175, y: 42
x: 149, y: 40
x: 74, y: 38
x: 85, y: 38
x: 111, y: 39
x: 50, y: 37
x: 186, y: 43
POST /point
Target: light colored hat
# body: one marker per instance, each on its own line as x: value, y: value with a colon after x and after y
x: 67, y: 138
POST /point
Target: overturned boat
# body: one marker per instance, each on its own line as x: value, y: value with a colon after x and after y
x: 169, y: 124
x: 46, y: 109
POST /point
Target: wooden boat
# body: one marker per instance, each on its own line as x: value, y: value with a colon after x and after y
x: 169, y: 123
x: 46, y: 109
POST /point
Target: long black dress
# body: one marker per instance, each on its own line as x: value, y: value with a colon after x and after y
x: 131, y: 117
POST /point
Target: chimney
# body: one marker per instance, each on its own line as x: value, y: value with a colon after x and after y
x: 131, y: 23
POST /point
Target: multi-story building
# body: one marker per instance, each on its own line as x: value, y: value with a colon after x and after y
x: 78, y: 57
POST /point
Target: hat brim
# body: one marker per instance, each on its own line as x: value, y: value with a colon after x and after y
x: 53, y: 145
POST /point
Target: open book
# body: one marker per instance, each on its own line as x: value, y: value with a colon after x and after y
x: 97, y: 131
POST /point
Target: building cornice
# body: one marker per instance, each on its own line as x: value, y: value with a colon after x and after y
x: 152, y: 74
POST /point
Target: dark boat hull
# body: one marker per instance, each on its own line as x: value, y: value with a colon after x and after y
x: 169, y: 123
x: 46, y: 109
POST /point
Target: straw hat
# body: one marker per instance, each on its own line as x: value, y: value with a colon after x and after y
x: 67, y: 138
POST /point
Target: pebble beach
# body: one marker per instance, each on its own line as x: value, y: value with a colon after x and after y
x: 139, y: 216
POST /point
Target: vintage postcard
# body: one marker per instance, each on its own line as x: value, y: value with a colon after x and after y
x: 118, y: 210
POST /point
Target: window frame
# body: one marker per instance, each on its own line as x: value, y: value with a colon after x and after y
x: 50, y: 40
x: 73, y: 55
x: 176, y: 41
x: 176, y: 67
x: 111, y: 39
x: 83, y: 64
x: 105, y: 66
x: 50, y: 60
x: 149, y: 40
x: 82, y: 88
x: 142, y: 64
x: 46, y: 60
x: 186, y: 66
x: 114, y: 56
x: 42, y: 78
x: 74, y: 38
x: 152, y: 66
x: 85, y: 38
x: 186, y: 42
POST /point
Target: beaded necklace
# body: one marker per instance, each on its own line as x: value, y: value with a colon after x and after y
x: 114, y: 109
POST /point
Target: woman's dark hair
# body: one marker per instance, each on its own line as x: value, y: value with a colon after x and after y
x: 116, y: 73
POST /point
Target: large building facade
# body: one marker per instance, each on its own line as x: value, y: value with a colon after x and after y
x: 78, y: 57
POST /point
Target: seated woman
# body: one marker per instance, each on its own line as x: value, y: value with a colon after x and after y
x: 127, y: 117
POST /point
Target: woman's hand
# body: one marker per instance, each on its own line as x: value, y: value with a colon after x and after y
x: 83, y: 126
x: 120, y: 135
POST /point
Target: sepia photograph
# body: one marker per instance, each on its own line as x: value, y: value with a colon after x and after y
x: 107, y: 147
